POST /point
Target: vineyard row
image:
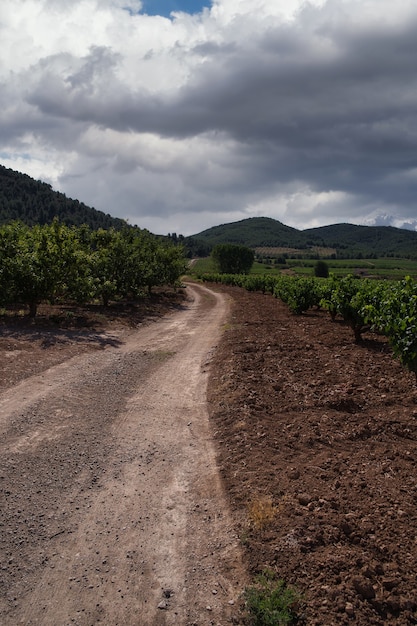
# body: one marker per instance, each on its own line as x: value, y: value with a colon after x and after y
x: 386, y: 307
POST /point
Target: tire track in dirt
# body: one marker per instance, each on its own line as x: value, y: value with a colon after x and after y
x: 113, y: 509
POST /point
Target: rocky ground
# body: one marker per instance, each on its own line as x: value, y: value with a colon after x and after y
x: 112, y: 511
x: 317, y: 448
x: 316, y: 444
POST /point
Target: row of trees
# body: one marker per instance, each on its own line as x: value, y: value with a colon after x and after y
x: 387, y: 307
x: 58, y: 262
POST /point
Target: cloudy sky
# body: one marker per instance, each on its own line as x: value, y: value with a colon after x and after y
x: 178, y: 115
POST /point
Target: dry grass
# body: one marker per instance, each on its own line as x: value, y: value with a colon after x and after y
x: 261, y: 512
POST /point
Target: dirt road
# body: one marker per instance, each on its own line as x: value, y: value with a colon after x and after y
x: 112, y: 511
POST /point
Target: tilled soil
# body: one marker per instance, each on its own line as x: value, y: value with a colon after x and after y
x: 317, y: 447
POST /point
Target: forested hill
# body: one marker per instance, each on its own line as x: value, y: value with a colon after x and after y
x: 34, y: 202
x: 346, y: 240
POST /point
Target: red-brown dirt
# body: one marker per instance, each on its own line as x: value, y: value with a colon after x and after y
x: 324, y: 431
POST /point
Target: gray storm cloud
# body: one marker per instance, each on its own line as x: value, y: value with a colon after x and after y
x: 315, y: 106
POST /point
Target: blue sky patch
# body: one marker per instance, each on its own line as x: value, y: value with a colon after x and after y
x: 165, y: 7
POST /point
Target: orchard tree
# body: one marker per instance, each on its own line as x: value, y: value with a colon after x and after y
x: 321, y: 269
x: 54, y: 262
x: 233, y: 259
x: 34, y: 263
x: 110, y: 263
x: 125, y: 263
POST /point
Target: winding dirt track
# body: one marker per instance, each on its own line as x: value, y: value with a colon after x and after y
x: 112, y: 509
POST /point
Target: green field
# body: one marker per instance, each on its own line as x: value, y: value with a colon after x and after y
x: 372, y: 268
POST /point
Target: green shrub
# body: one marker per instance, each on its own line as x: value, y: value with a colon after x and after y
x: 299, y: 294
x: 270, y: 602
x: 393, y: 312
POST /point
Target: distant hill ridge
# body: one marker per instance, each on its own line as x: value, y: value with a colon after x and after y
x: 347, y: 240
x: 34, y: 202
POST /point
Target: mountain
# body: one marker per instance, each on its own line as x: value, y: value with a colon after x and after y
x: 254, y: 232
x: 34, y: 202
x: 347, y: 240
x: 382, y: 241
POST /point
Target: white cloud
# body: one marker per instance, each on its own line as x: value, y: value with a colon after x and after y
x: 302, y: 111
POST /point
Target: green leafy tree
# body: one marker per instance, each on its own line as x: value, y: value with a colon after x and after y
x: 233, y: 259
x: 41, y: 263
x: 9, y: 251
x: 321, y: 269
x: 66, y: 257
x: 55, y: 262
x: 125, y: 263
x: 172, y: 264
x: 108, y: 261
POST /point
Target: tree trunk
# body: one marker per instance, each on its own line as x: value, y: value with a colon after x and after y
x: 33, y: 308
